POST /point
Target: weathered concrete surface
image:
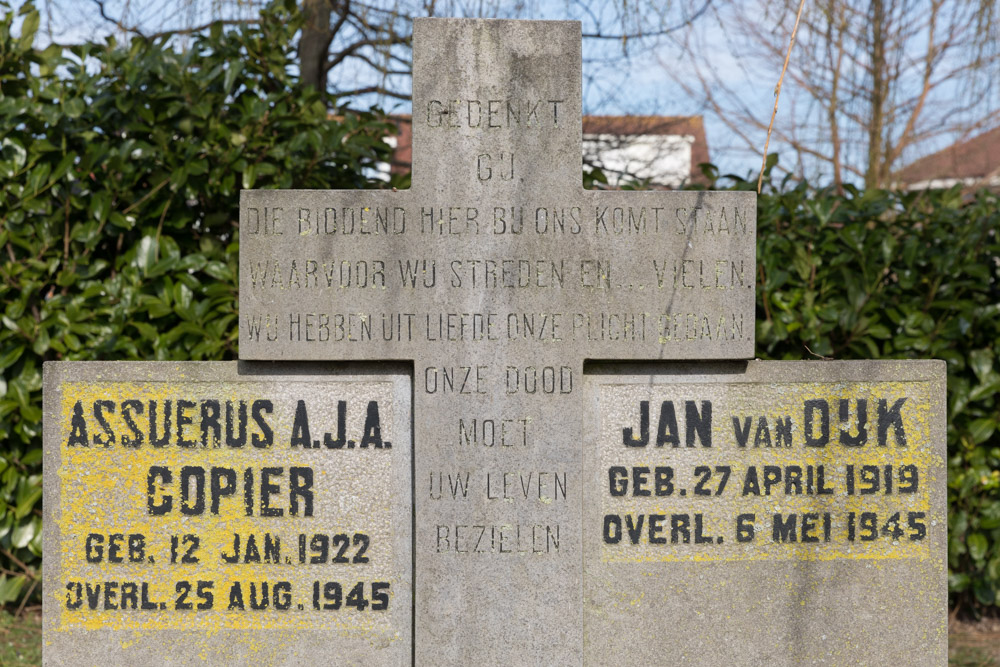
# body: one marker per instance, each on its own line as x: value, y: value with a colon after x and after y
x: 497, y: 274
x: 817, y: 591
x: 267, y: 513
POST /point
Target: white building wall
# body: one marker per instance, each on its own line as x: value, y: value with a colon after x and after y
x: 661, y: 159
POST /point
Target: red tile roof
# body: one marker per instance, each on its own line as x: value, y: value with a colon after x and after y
x: 977, y: 159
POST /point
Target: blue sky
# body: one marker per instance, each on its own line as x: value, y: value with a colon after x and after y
x: 650, y: 80
x: 613, y: 84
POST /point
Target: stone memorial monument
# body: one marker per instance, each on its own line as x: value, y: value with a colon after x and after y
x: 589, y: 469
x: 497, y: 274
x: 802, y: 522
x: 199, y: 514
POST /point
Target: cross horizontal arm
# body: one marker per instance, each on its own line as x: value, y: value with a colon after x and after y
x: 375, y: 275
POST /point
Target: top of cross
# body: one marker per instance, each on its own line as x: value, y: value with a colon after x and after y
x: 510, y: 87
x: 496, y: 240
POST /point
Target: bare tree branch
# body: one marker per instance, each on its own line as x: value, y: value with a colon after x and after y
x: 871, y: 81
x: 121, y: 25
x: 368, y: 90
x: 198, y: 28
x: 777, y: 93
x: 622, y: 37
x: 116, y: 22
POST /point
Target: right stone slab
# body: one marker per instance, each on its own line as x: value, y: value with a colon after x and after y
x: 772, y: 513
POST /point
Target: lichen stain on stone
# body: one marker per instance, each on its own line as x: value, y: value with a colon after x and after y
x: 103, y: 490
x: 770, y: 401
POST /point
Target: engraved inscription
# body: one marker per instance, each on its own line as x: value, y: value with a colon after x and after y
x: 493, y: 114
x: 497, y: 275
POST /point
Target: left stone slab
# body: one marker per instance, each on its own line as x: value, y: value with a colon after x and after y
x: 226, y: 513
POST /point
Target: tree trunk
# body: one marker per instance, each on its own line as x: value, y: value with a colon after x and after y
x: 314, y: 43
x: 835, y: 51
x: 876, y: 119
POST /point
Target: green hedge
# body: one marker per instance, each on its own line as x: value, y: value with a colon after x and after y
x: 892, y: 275
x: 120, y: 171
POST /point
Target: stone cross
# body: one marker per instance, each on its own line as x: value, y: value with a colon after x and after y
x: 498, y: 276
